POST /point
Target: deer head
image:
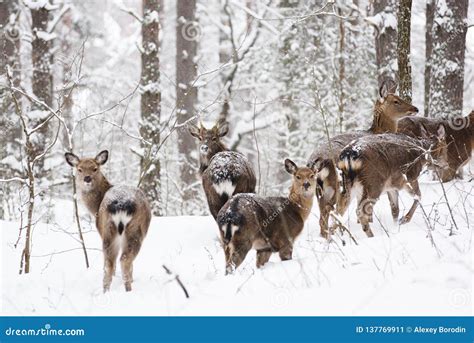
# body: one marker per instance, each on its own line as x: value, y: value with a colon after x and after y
x: 304, y: 179
x: 438, y: 147
x: 391, y: 105
x: 209, y: 140
x: 88, y: 175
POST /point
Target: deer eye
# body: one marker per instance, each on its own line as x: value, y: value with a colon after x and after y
x: 311, y: 176
x: 298, y: 177
x: 80, y: 170
x: 396, y: 102
x: 95, y: 169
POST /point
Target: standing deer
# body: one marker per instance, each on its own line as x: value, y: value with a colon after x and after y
x: 459, y: 138
x: 381, y: 163
x: 387, y: 111
x: 122, y: 215
x: 224, y: 173
x: 269, y: 224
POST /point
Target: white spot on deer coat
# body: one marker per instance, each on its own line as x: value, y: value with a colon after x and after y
x: 121, y: 217
x: 328, y: 192
x: 323, y: 174
x: 224, y: 186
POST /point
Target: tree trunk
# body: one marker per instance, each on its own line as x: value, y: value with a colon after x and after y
x: 386, y: 39
x: 42, y: 81
x: 151, y: 103
x: 447, y: 59
x: 10, y: 56
x: 430, y: 7
x: 403, y: 49
x: 187, y: 34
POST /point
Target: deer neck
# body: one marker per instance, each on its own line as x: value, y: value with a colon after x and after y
x: 302, y: 203
x: 92, y: 198
x: 381, y: 122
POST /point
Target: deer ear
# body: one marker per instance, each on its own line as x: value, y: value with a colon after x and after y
x: 312, y: 165
x: 424, y: 132
x: 194, y: 131
x: 383, y: 90
x: 290, y: 166
x: 102, y: 157
x: 71, y: 159
x: 222, y: 128
x: 441, y: 132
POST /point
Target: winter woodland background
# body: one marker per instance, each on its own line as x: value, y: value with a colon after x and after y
x: 128, y: 76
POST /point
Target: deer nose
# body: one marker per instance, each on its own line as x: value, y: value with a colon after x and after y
x: 87, y: 179
x: 416, y: 110
x: 204, y: 148
x: 306, y: 185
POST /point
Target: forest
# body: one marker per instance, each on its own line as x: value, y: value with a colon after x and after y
x: 149, y: 93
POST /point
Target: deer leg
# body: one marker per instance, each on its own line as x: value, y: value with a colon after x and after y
x: 286, y: 253
x: 414, y: 189
x: 263, y: 256
x: 393, y: 199
x: 130, y: 252
x: 238, y: 252
x: 110, y: 257
x: 364, y: 214
x: 324, y: 210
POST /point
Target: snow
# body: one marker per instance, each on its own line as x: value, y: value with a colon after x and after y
x: 404, y: 274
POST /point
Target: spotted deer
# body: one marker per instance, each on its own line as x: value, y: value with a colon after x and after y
x: 376, y: 164
x: 266, y: 224
x: 388, y: 109
x: 224, y: 173
x: 122, y: 215
x: 459, y: 138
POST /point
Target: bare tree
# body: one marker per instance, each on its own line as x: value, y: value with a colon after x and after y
x: 386, y: 38
x: 187, y: 33
x: 42, y: 80
x: 151, y: 103
x: 10, y: 55
x: 447, y: 58
x: 430, y: 7
x: 403, y: 50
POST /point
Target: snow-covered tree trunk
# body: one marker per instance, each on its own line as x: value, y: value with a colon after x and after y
x: 385, y: 15
x: 447, y: 59
x: 186, y: 93
x: 10, y: 128
x: 430, y: 7
x: 42, y: 80
x: 151, y: 103
x: 403, y: 50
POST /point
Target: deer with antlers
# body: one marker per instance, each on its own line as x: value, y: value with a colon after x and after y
x: 224, y: 173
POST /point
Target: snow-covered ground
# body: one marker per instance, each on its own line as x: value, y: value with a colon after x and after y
x: 404, y: 270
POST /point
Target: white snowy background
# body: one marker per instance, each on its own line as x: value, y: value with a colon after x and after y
x: 423, y: 268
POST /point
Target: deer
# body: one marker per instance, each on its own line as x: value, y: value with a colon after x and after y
x: 266, y: 224
x: 459, y: 138
x: 388, y: 110
x: 224, y: 173
x: 381, y: 163
x: 122, y: 215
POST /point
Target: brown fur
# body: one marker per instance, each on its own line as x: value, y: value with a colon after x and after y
x: 266, y: 224
x: 387, y: 162
x: 105, y: 202
x: 459, y: 137
x: 387, y: 111
x: 219, y: 166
